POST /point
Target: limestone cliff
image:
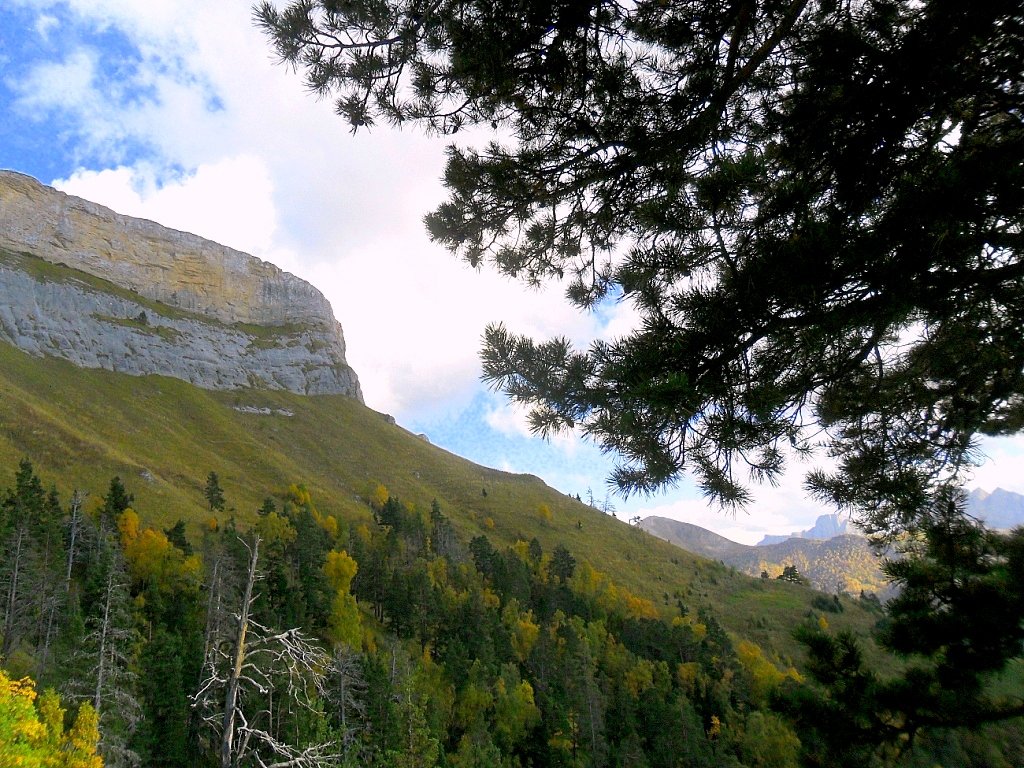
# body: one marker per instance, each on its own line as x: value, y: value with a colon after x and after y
x: 81, y: 282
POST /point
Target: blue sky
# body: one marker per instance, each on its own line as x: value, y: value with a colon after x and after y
x: 174, y: 110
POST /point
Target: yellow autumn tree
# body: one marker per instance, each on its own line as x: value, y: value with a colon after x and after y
x: 344, y: 624
x: 522, y: 629
x: 765, y: 677
x: 299, y: 495
x: 22, y: 736
x: 80, y: 742
x: 154, y: 560
x: 32, y: 733
x: 515, y: 712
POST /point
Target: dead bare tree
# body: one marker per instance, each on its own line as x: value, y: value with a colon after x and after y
x: 346, y: 689
x: 17, y: 551
x: 74, y: 529
x: 245, y: 672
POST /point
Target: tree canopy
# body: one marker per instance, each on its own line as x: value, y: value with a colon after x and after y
x: 814, y: 206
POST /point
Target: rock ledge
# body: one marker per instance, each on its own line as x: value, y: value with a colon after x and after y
x: 103, y: 290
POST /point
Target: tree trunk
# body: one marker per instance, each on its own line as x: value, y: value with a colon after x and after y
x: 231, y: 696
x: 12, y: 592
x: 104, y: 631
x: 74, y: 524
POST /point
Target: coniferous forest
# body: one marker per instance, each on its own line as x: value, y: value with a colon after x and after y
x: 305, y: 640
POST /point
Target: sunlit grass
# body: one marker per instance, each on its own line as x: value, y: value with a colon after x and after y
x: 163, y: 436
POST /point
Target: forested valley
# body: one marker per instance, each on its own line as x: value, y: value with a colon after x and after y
x: 304, y: 640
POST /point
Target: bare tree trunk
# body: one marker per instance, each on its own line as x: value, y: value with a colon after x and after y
x: 74, y: 524
x: 231, y: 696
x: 212, y: 605
x: 12, y: 591
x: 52, y: 608
x: 263, y: 671
x: 101, y: 666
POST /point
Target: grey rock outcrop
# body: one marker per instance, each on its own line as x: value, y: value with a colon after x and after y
x: 129, y: 295
x: 825, y: 527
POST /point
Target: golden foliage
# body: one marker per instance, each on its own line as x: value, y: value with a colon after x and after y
x: 32, y: 735
x: 344, y: 625
x: 589, y: 582
x: 275, y: 529
x: 153, y: 559
x: 340, y: 569
x: 765, y: 676
x: 544, y: 513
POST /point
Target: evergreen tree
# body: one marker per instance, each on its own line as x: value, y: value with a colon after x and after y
x: 562, y: 564
x: 163, y: 736
x: 792, y: 575
x: 115, y: 502
x: 32, y: 561
x: 176, y: 535
x: 802, y: 188
x: 213, y: 493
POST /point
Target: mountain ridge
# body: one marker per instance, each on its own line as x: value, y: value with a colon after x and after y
x: 999, y: 508
x: 82, y: 282
x: 827, y: 526
x: 843, y: 563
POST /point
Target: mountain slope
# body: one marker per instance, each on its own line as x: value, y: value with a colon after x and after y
x: 842, y: 563
x: 93, y: 296
x: 163, y: 436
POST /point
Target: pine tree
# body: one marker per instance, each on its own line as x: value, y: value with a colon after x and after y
x: 213, y: 493
x: 115, y: 502
x: 788, y: 193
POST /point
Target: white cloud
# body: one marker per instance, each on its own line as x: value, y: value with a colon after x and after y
x: 230, y: 201
x: 233, y: 149
x: 511, y: 419
x: 1003, y: 466
x: 45, y: 24
x: 65, y: 84
x: 622, y: 318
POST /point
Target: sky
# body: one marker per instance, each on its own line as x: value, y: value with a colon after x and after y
x: 176, y: 111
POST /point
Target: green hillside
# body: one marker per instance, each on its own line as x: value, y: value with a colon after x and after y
x: 463, y: 667
x: 163, y: 436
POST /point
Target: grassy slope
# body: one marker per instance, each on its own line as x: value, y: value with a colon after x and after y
x: 163, y: 436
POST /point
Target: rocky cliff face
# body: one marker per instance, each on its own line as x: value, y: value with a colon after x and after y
x: 81, y: 282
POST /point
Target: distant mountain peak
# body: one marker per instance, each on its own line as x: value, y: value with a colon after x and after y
x: 839, y: 563
x: 825, y: 527
x: 1000, y: 509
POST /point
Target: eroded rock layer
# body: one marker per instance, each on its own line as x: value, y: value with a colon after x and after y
x: 81, y: 282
